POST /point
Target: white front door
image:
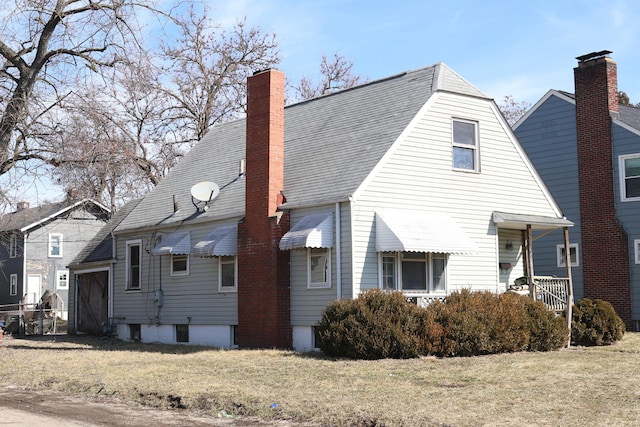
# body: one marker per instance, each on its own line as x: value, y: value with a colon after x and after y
x: 33, y: 289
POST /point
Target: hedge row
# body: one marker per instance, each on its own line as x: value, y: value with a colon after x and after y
x: 384, y: 325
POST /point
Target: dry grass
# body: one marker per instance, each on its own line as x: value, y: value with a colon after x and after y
x: 572, y: 387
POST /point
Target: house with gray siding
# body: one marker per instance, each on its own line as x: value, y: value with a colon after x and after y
x: 38, y: 243
x: 412, y: 183
x: 586, y: 146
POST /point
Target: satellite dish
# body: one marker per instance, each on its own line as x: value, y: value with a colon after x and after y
x: 204, y: 192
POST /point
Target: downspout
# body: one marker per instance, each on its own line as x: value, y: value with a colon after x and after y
x: 338, y: 254
x: 114, y: 259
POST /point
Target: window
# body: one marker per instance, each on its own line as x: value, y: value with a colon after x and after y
x: 573, y: 254
x: 630, y: 177
x: 133, y: 272
x: 227, y: 274
x: 13, y: 284
x: 62, y: 279
x: 318, y: 267
x: 55, y: 245
x: 636, y: 245
x: 13, y: 245
x: 465, y: 146
x: 179, y: 265
x: 182, y: 333
x: 413, y: 271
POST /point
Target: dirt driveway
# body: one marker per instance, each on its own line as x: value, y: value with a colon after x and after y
x: 35, y: 408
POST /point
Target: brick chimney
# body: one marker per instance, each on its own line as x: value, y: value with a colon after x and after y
x: 263, y: 269
x: 20, y: 206
x: 605, y: 247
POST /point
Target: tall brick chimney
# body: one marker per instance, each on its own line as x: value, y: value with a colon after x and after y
x: 605, y: 250
x: 263, y: 269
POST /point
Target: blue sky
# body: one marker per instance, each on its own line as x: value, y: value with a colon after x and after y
x: 518, y: 48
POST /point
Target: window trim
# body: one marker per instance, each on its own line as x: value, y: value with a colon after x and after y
x: 623, y: 178
x: 128, y: 245
x: 179, y: 272
x: 60, y: 241
x: 13, y: 284
x: 560, y: 257
x: 223, y: 260
x: 636, y: 245
x: 58, y: 273
x: 319, y: 285
x: 475, y: 147
x: 397, y: 280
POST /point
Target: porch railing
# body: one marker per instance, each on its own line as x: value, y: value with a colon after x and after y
x: 554, y: 292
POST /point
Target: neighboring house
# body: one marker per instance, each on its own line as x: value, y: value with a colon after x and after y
x: 587, y: 149
x: 90, y: 275
x: 412, y: 183
x: 38, y: 243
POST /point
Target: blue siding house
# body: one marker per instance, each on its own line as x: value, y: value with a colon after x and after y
x: 586, y: 147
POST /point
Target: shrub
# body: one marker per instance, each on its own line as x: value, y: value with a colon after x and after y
x: 595, y: 322
x: 376, y: 325
x: 547, y: 331
x: 476, y: 323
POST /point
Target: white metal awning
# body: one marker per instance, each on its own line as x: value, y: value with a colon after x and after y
x: 405, y: 231
x: 313, y: 231
x: 222, y: 241
x: 537, y: 222
x: 178, y: 243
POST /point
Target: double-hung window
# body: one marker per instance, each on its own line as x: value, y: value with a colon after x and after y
x: 573, y: 255
x: 55, y: 245
x: 636, y: 246
x: 134, y: 264
x: 179, y: 265
x: 629, y: 166
x: 318, y: 267
x: 13, y: 284
x: 413, y: 272
x: 13, y: 245
x: 465, y: 145
x: 62, y: 279
x: 227, y: 274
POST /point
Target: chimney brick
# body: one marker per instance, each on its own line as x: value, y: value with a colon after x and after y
x: 263, y: 269
x: 605, y: 251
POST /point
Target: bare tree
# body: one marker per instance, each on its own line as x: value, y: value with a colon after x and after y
x: 336, y: 74
x: 512, y: 109
x: 208, y: 68
x: 45, y: 47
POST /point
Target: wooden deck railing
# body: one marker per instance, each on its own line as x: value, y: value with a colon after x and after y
x: 553, y: 292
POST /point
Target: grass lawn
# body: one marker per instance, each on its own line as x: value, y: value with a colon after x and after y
x: 573, y: 387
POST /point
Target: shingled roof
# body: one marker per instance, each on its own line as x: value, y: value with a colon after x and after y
x: 100, y: 247
x: 26, y: 219
x: 331, y: 144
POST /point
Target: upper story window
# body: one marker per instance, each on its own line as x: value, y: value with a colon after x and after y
x: 55, y: 245
x: 227, y: 274
x: 465, y: 145
x: 413, y: 271
x: 179, y: 265
x: 630, y: 177
x: 573, y: 255
x: 13, y: 245
x: 636, y: 245
x: 134, y: 264
x: 318, y: 267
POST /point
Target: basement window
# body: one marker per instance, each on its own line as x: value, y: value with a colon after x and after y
x: 182, y: 333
